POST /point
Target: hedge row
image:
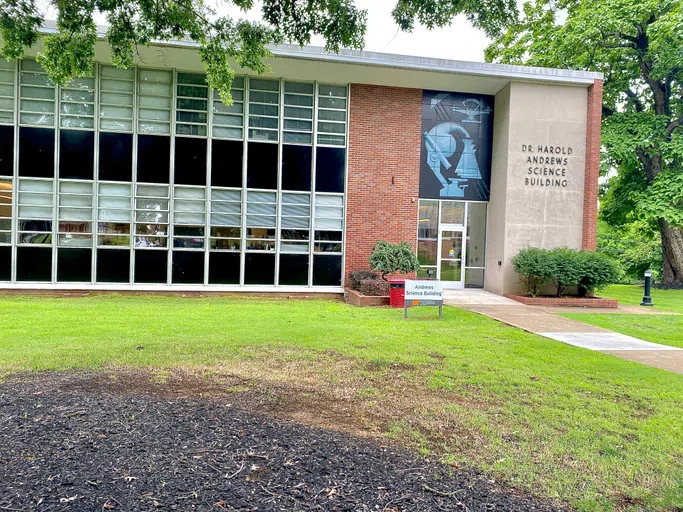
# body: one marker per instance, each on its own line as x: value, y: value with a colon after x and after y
x: 565, y: 268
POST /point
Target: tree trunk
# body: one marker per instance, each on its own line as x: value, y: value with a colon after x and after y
x: 672, y: 252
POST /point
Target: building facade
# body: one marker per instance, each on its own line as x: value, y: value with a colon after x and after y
x: 143, y: 179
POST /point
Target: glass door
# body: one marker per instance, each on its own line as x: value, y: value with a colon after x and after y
x: 451, y: 248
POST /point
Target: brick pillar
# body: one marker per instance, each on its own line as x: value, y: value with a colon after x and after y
x: 383, y: 169
x: 590, y: 193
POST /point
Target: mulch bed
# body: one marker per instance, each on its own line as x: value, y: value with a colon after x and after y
x: 66, y: 448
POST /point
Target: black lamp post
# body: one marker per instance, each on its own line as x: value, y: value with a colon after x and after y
x: 647, y: 300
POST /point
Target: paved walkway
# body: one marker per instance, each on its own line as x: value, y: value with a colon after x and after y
x: 545, y: 322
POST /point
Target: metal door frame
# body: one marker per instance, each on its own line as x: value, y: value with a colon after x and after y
x: 453, y: 285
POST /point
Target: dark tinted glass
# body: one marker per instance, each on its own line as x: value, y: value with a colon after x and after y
x: 37, y: 152
x: 76, y: 154
x: 326, y: 270
x: 5, y: 263
x: 329, y: 169
x: 113, y: 266
x: 259, y: 268
x: 116, y: 156
x: 34, y: 264
x: 224, y: 268
x: 293, y: 269
x: 150, y: 266
x: 6, y: 150
x: 262, y: 165
x: 296, y: 167
x: 188, y: 267
x: 190, y: 161
x: 154, y: 157
x: 73, y: 265
x: 226, y: 163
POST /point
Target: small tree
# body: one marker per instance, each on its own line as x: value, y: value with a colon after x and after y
x: 534, y: 268
x: 387, y: 258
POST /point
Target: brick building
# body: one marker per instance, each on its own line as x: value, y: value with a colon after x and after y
x: 142, y: 179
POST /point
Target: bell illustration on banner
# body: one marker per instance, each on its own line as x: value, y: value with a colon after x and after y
x: 468, y: 168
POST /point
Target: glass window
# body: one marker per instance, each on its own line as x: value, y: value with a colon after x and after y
x: 296, y: 167
x: 259, y: 268
x: 329, y: 169
x: 7, y: 77
x: 476, y: 235
x: 75, y: 214
x: 224, y: 267
x: 113, y: 266
x: 35, y: 211
x: 151, y: 266
x: 226, y: 163
x: 192, y: 99
x: 5, y: 263
x: 262, y: 165
x: 226, y: 219
x: 77, y: 104
x: 154, y: 101
x: 190, y: 161
x: 117, y: 87
x: 327, y: 270
x: 329, y: 212
x: 332, y: 115
x: 151, y: 216
x: 37, y: 95
x: 189, y: 217
x: 114, y: 214
x: 453, y: 212
x: 428, y: 219
x: 34, y: 264
x: 36, y: 152
x: 5, y: 212
x: 154, y: 159
x: 293, y: 269
x: 76, y: 154
x: 295, y: 222
x: 264, y: 101
x: 298, y: 113
x: 188, y: 267
x: 74, y: 265
x: 116, y: 156
x: 6, y: 150
x: 228, y: 121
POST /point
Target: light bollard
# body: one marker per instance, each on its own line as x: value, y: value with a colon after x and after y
x: 647, y: 300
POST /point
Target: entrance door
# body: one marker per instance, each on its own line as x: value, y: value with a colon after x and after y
x: 451, y: 250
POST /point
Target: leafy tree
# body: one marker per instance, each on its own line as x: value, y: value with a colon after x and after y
x: 534, y: 268
x: 638, y: 45
x: 69, y: 53
x: 388, y: 258
x: 635, y: 245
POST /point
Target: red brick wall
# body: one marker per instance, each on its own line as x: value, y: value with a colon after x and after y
x: 590, y: 195
x: 383, y: 170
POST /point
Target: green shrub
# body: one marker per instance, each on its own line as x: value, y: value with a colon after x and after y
x: 534, y: 267
x: 598, y: 270
x: 357, y: 276
x: 565, y: 268
x: 388, y: 258
x: 374, y: 286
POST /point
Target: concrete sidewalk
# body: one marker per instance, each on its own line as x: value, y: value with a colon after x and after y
x: 545, y: 322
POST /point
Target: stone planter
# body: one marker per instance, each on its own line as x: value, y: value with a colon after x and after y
x: 570, y: 302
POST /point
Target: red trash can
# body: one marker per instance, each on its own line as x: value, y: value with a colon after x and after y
x: 397, y: 292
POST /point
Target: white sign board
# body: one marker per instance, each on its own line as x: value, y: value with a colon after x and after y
x: 424, y: 293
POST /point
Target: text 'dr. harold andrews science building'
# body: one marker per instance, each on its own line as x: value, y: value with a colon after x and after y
x: 142, y: 179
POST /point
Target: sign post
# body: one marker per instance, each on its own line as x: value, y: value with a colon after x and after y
x: 423, y: 293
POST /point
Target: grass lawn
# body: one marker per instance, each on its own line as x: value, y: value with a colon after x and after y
x: 667, y: 330
x: 592, y: 430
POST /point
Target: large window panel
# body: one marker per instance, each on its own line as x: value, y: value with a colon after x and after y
x: 36, y: 152
x: 226, y: 163
x: 427, y: 237
x: 77, y: 104
x: 114, y: 215
x: 151, y: 216
x: 192, y: 98
x: 293, y: 270
x: 224, y: 267
x: 327, y: 270
x: 298, y: 113
x: 151, y: 266
x: 6, y: 190
x: 37, y: 95
x: 188, y: 267
x: 116, y: 156
x: 189, y: 214
x: 155, y: 93
x: 259, y: 269
x: 35, y: 211
x: 76, y: 154
x: 6, y: 149
x: 190, y: 161
x: 74, y: 265
x: 154, y: 157
x: 226, y: 219
x: 262, y: 165
x: 7, y: 75
x: 228, y: 121
x: 296, y: 167
x: 5, y: 263
x: 113, y: 266
x: 295, y: 222
x: 34, y: 264
x: 117, y: 89
x: 261, y: 220
x: 329, y: 169
x: 264, y: 107
x: 329, y: 212
x: 332, y: 115
x: 75, y: 214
